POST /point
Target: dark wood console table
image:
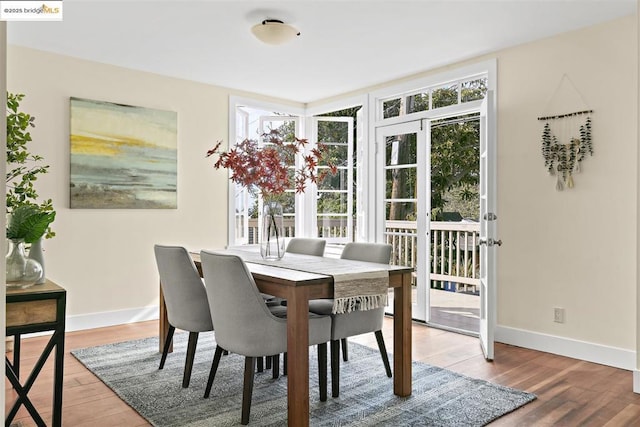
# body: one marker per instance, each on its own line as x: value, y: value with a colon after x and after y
x: 38, y: 308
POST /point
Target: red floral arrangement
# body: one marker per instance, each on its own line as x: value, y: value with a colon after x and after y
x: 267, y: 168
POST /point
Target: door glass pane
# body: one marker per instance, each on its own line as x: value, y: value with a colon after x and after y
x: 337, y: 153
x: 332, y: 202
x: 332, y: 132
x: 339, y: 181
x: 401, y: 211
x: 455, y: 258
x: 401, y: 183
x: 332, y: 226
x: 401, y: 149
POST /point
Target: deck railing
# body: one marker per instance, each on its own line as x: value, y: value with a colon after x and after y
x: 454, y: 252
x: 454, y: 249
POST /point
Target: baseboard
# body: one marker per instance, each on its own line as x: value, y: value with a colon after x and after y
x: 636, y: 381
x: 590, y: 352
x: 110, y: 318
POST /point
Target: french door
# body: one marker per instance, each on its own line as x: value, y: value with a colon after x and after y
x: 488, y: 226
x: 404, y: 188
x: 403, y: 163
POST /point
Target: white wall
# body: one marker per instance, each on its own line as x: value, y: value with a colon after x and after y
x: 575, y: 248
x: 104, y: 258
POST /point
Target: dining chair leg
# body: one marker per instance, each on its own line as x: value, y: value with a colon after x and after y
x: 214, y: 368
x: 335, y: 368
x: 167, y: 344
x: 191, y: 354
x: 383, y: 352
x: 345, y: 349
x: 275, y: 365
x: 247, y: 390
x: 322, y: 371
x: 268, y: 362
x: 260, y: 364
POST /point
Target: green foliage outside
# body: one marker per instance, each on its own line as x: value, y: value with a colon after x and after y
x: 455, y: 163
x: 23, y: 167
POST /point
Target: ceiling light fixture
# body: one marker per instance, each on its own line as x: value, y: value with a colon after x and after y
x: 274, y: 31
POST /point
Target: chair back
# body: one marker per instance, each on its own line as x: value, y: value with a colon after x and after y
x: 244, y: 324
x: 184, y: 292
x: 306, y: 246
x: 368, y: 252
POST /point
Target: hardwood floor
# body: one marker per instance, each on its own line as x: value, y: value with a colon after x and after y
x: 570, y: 392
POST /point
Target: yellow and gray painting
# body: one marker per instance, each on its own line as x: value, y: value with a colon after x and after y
x: 122, y: 156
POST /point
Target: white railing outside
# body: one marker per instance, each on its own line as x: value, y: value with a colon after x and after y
x: 454, y: 249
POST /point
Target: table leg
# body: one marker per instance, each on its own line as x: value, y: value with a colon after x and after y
x: 58, y: 379
x: 163, y: 323
x: 16, y: 355
x: 402, y: 337
x: 298, y: 357
x: 23, y: 398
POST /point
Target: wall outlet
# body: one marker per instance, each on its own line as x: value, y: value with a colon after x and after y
x: 558, y: 315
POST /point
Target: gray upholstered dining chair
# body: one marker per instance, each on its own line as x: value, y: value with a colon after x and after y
x: 246, y: 326
x: 306, y: 246
x: 186, y: 300
x: 356, y: 322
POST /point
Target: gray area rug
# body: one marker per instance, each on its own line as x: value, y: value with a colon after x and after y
x: 440, y: 397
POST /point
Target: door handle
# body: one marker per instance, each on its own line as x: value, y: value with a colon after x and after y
x: 490, y: 242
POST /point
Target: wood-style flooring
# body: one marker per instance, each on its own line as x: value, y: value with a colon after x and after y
x: 570, y: 392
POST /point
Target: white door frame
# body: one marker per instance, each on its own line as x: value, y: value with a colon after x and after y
x: 423, y: 201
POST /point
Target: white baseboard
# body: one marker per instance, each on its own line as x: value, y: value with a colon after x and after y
x: 110, y: 318
x: 590, y: 352
x: 636, y: 381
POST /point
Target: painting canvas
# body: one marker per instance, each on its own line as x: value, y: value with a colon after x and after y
x: 122, y: 156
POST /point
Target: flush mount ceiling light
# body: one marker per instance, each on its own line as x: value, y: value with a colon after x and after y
x: 274, y: 31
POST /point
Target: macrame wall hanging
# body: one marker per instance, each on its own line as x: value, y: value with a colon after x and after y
x: 566, y: 141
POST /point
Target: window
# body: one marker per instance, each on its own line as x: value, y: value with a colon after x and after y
x: 431, y: 98
x: 334, y: 217
x: 325, y: 209
x: 246, y: 208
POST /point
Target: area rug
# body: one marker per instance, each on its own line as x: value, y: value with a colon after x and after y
x: 440, y: 397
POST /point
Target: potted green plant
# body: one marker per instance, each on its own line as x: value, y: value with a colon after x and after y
x: 26, y: 215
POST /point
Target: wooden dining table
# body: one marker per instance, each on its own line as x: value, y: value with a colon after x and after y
x: 298, y: 287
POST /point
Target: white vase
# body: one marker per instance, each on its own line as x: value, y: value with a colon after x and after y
x: 272, y: 242
x: 36, y: 252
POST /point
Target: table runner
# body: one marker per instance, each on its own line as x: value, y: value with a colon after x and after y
x: 357, y: 285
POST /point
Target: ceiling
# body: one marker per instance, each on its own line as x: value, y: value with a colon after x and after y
x: 343, y: 46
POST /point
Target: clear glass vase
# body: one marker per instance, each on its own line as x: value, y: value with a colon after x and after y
x: 22, y: 271
x: 36, y: 252
x: 272, y: 241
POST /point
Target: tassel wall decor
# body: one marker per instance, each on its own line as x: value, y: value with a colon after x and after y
x: 566, y: 140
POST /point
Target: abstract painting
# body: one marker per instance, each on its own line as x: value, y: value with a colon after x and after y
x: 122, y: 156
